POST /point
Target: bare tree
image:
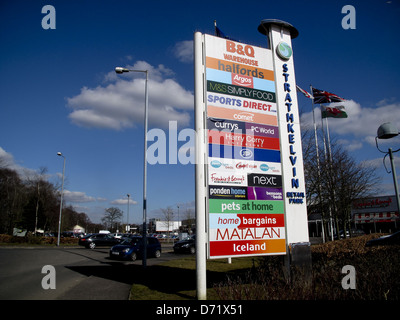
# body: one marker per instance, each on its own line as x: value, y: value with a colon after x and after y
x: 335, y: 182
x: 168, y: 215
x: 190, y: 219
x: 112, y: 216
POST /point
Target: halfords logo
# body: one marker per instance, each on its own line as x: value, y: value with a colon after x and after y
x: 243, y: 81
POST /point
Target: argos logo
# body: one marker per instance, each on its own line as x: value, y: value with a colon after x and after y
x: 243, y: 81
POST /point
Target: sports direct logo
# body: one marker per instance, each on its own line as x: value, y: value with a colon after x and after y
x: 243, y: 81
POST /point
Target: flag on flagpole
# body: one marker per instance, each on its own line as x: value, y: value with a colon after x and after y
x: 321, y: 96
x: 219, y: 33
x: 333, y: 112
x: 304, y: 92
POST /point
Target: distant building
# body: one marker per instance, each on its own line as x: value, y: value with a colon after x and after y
x: 376, y: 214
x: 372, y: 214
x: 78, y: 229
x: 167, y: 226
x: 158, y: 225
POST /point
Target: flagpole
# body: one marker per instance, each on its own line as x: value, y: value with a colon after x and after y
x: 315, y: 129
x: 326, y: 157
x: 329, y: 140
x: 318, y: 165
x: 323, y: 132
x: 331, y: 168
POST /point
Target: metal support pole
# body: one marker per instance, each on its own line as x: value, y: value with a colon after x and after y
x: 200, y: 171
x: 396, y: 187
x: 144, y: 261
x: 144, y: 232
x: 61, y: 203
x: 127, y: 218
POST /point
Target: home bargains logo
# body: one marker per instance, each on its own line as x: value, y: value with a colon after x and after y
x: 243, y: 81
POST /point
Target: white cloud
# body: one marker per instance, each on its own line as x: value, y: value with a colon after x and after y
x: 350, y: 145
x: 77, y: 196
x: 361, y: 123
x: 183, y: 50
x: 120, y: 104
x: 123, y: 201
x: 7, y: 161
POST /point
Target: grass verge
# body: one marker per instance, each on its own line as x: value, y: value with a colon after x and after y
x: 262, y: 278
x: 176, y: 279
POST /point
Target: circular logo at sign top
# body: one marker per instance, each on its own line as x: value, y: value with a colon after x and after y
x: 284, y: 50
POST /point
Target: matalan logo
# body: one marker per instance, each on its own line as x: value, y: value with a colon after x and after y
x: 243, y: 81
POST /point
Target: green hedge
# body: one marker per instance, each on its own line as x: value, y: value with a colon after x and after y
x: 7, y: 239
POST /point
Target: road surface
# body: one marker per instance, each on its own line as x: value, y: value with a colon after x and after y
x: 80, y: 273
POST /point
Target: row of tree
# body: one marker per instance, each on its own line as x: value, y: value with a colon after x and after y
x: 33, y: 203
x: 333, y: 181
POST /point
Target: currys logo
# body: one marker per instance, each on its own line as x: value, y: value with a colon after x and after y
x: 246, y: 153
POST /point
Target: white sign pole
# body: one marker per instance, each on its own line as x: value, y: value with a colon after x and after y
x: 280, y: 34
x: 200, y: 167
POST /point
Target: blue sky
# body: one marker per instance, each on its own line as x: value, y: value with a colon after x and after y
x: 58, y: 90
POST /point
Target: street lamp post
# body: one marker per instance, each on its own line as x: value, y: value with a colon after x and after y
x: 61, y: 202
x: 122, y: 70
x: 387, y: 131
x: 127, y: 218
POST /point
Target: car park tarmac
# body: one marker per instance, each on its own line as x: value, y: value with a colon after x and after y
x: 79, y: 273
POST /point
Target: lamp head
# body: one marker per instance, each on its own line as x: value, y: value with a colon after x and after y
x: 59, y: 153
x: 387, y: 131
x: 121, y: 70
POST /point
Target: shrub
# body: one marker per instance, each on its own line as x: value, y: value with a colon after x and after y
x: 377, y: 275
x: 36, y: 240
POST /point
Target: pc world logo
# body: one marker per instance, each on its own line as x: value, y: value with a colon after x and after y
x: 284, y: 51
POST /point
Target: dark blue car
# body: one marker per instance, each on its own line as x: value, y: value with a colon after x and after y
x: 132, y: 248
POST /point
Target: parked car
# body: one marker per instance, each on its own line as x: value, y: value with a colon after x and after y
x: 98, y: 239
x: 67, y: 234
x: 391, y: 239
x: 117, y: 235
x: 132, y: 248
x: 187, y: 245
x: 357, y: 232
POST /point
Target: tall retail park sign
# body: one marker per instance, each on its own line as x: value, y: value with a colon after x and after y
x: 252, y: 178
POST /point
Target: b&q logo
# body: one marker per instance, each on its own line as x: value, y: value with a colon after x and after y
x: 240, y: 49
